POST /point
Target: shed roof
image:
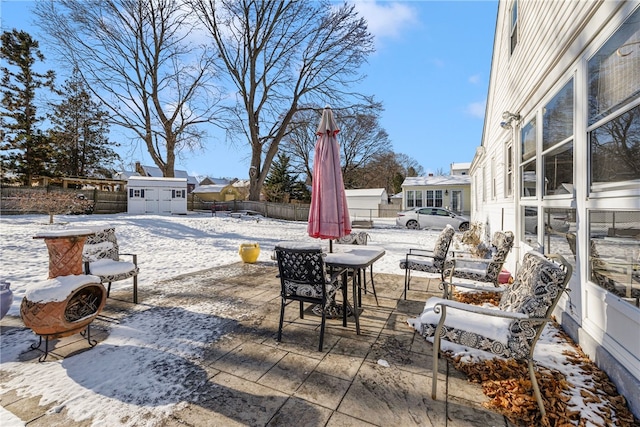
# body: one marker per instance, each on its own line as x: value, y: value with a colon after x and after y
x: 365, y: 192
x: 210, y: 188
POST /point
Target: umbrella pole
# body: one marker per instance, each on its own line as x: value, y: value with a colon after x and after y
x: 330, y: 246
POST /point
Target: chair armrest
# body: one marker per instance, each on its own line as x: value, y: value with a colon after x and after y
x: 423, y: 252
x: 476, y: 287
x: 484, y: 310
x: 134, y: 256
x: 458, y: 262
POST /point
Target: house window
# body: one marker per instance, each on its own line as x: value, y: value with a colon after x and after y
x: 560, y: 233
x: 514, y: 26
x: 135, y: 194
x: 493, y: 179
x: 614, y: 252
x: 414, y: 199
x: 508, y: 171
x: 529, y: 159
x: 484, y: 184
x: 614, y: 108
x: 557, y: 140
x: 177, y: 194
x: 434, y: 198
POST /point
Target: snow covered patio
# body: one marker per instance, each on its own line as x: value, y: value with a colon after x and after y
x: 200, y: 347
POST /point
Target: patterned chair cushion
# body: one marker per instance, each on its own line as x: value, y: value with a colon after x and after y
x: 436, y: 260
x: 102, y: 244
x: 484, y: 270
x: 427, y: 265
x: 302, y: 273
x: 537, y: 284
x: 112, y: 271
x: 354, y: 239
x: 307, y: 290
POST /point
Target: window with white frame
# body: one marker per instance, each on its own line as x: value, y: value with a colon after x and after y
x: 434, y: 198
x: 493, y: 179
x: 513, y: 38
x: 508, y: 170
x: 177, y: 194
x: 614, y: 108
x: 528, y: 161
x: 136, y: 193
x: 414, y: 199
x: 557, y: 143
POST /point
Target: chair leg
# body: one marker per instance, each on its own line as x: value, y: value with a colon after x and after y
x: 281, y: 320
x: 108, y: 289
x: 322, y: 323
x: 536, y: 388
x: 406, y: 282
x: 435, y: 355
x: 135, y: 289
x: 302, y: 310
x: 373, y: 286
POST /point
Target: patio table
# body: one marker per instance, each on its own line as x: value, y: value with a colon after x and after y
x: 348, y: 257
x: 357, y: 259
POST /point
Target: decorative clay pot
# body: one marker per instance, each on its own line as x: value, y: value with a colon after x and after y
x: 6, y: 298
x: 249, y: 252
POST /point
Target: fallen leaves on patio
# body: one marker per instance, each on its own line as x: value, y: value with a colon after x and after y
x: 507, y: 384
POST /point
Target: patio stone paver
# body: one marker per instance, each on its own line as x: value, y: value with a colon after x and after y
x: 246, y: 378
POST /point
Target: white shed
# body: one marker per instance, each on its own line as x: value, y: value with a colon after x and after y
x: 156, y: 195
x: 363, y: 203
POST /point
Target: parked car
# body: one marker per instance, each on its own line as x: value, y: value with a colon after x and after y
x: 557, y: 223
x: 437, y: 218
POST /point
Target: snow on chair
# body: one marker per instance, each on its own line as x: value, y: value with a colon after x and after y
x: 509, y: 330
x: 429, y: 261
x: 101, y: 257
x: 479, y: 269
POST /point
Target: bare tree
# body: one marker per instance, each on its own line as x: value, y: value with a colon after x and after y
x: 139, y: 60
x: 361, y: 140
x: 50, y: 202
x: 279, y: 55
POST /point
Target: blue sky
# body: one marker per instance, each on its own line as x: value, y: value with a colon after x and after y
x: 430, y: 70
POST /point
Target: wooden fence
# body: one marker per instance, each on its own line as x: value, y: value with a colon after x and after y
x: 104, y: 202
x: 110, y: 202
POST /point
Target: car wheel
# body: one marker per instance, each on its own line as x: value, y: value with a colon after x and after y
x: 464, y: 226
x: 413, y: 224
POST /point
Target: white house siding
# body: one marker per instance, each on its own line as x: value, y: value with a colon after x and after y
x: 556, y: 39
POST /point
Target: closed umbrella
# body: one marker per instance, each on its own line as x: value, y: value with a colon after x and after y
x: 328, y: 213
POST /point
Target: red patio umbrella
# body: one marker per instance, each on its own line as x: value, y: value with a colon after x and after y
x: 328, y: 214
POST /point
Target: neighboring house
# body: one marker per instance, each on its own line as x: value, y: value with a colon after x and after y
x: 558, y: 164
x: 218, y: 193
x: 365, y: 203
x: 153, y: 171
x: 156, y: 195
x: 213, y: 181
x: 447, y: 191
x: 460, y: 168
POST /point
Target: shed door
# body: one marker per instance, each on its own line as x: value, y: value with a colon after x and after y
x: 165, y: 201
x: 151, y: 200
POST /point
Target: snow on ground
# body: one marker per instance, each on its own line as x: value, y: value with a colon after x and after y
x: 167, y: 246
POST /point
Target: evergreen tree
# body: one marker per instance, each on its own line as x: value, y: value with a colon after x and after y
x: 80, y: 133
x: 25, y: 150
x: 281, y: 186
